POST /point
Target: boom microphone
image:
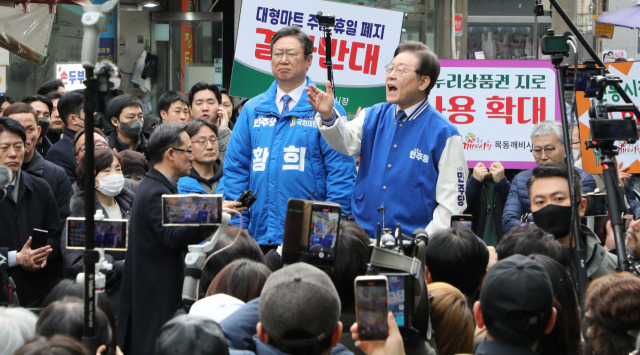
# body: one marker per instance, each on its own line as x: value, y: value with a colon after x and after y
x: 5, y: 179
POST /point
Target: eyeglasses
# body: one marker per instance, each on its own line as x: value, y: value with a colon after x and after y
x: 203, y: 142
x: 538, y: 152
x: 188, y: 151
x: 279, y: 55
x: 96, y: 146
x: 400, y: 69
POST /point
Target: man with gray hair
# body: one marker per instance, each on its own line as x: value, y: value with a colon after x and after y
x: 548, y: 147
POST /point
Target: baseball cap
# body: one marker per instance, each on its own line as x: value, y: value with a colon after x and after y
x: 193, y: 335
x: 299, y: 306
x: 517, y: 296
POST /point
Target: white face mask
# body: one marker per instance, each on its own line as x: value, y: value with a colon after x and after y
x: 577, y: 159
x: 116, y: 83
x: 111, y: 185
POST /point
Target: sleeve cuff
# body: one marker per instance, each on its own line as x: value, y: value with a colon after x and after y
x: 330, y: 121
x: 12, y: 259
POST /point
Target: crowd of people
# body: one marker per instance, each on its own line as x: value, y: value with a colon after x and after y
x: 507, y: 285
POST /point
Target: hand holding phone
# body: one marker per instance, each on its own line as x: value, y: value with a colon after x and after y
x: 39, y: 238
x: 372, y: 307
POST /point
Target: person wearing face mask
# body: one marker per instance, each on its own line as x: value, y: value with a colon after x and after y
x: 548, y: 189
x: 125, y: 113
x: 71, y: 110
x: 115, y: 202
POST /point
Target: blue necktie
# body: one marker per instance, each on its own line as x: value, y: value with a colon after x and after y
x: 401, y: 116
x: 285, y: 108
x: 10, y: 191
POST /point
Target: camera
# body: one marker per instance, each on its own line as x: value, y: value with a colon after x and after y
x: 325, y: 20
x: 247, y: 198
x: 552, y: 44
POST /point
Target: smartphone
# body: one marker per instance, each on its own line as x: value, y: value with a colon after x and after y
x: 109, y: 234
x: 372, y: 307
x: 191, y: 209
x: 296, y: 229
x: 400, y: 297
x: 39, y: 238
x: 324, y: 229
x: 463, y: 220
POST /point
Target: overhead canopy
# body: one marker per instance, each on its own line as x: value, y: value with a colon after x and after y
x: 51, y: 3
x: 629, y: 17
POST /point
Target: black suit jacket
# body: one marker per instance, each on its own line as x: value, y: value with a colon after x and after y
x: 154, y: 267
x: 58, y: 181
x: 63, y: 154
x: 35, y: 208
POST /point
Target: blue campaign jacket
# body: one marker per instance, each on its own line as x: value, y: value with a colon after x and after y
x: 281, y: 158
x: 518, y: 202
x: 416, y: 169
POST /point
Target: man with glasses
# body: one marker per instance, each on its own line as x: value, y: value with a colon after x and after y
x: 276, y: 149
x: 412, y: 165
x: 154, y: 263
x: 29, y: 204
x: 206, y: 168
x: 547, y: 143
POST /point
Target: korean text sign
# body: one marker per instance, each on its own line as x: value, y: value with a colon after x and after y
x: 495, y: 104
x: 628, y: 154
x: 72, y: 75
x: 363, y: 42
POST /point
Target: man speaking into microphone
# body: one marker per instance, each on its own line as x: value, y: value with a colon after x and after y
x: 412, y: 162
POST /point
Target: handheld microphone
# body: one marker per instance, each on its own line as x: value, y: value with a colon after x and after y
x: 5, y: 179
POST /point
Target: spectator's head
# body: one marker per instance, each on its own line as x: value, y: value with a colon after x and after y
x: 226, y: 103
x: 204, y: 141
x: 548, y: 189
x: 125, y: 113
x: 134, y: 165
x: 242, y: 279
x: 193, y: 335
x: 99, y: 142
x: 451, y: 318
x: 53, y: 85
x: 26, y: 116
x: 17, y: 325
x: 12, y: 140
x: 67, y: 317
x: 414, y: 83
x: 516, y: 302
x: 41, y: 104
x: 529, y: 239
x: 5, y: 101
x: 299, y: 311
x: 204, y: 101
x: 565, y: 336
x: 548, y: 142
x: 612, y: 318
x: 351, y: 260
x: 173, y: 106
x: 107, y: 176
x: 71, y: 110
x: 56, y: 122
x: 291, y: 56
x: 458, y: 257
x: 56, y: 345
x: 169, y: 150
x: 228, y: 248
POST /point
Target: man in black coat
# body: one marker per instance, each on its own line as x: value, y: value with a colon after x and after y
x: 71, y: 109
x: 154, y: 263
x: 29, y: 204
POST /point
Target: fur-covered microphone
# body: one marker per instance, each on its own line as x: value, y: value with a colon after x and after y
x: 5, y: 179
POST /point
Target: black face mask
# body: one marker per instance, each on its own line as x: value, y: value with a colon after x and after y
x: 44, y: 124
x: 554, y: 219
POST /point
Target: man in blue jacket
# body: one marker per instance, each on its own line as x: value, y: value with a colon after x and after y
x: 411, y: 157
x: 548, y: 147
x: 276, y: 149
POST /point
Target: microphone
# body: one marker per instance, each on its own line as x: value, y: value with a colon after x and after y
x: 5, y: 179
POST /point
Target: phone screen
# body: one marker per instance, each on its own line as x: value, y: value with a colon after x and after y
x: 191, y: 209
x: 397, y: 287
x: 462, y: 220
x: 371, y: 308
x: 323, y: 233
x: 109, y: 234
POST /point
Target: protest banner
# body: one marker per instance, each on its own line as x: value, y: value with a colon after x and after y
x: 495, y: 104
x: 629, y: 154
x: 363, y: 42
